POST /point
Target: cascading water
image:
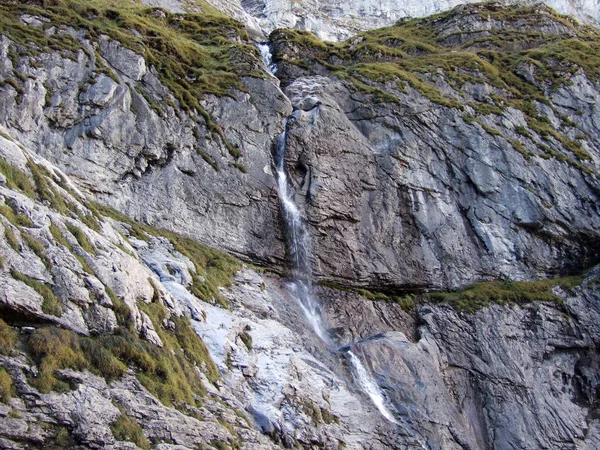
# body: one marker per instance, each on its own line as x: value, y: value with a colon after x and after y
x: 267, y: 56
x: 299, y: 247
x: 298, y: 244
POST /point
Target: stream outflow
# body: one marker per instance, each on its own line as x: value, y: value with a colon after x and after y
x: 299, y: 247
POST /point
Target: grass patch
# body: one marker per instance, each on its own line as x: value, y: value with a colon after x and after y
x: 53, y: 349
x: 11, y: 239
x: 419, y: 53
x: 194, y: 54
x: 479, y: 295
x: 18, y: 220
x: 8, y: 339
x: 51, y: 304
x: 81, y: 237
x: 169, y: 373
x: 16, y: 179
x: 60, y: 239
x: 38, y: 248
x: 120, y: 308
x: 45, y: 191
x: 127, y: 429
x: 6, y: 386
x: 216, y: 268
x: 246, y: 339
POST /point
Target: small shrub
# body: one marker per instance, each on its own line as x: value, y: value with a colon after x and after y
x: 127, y: 429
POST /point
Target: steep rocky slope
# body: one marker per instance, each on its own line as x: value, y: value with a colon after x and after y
x: 336, y: 20
x: 117, y: 107
x: 448, y: 149
x: 99, y: 350
x: 97, y: 347
x: 424, y: 156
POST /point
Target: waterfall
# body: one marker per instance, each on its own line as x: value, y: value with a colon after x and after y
x: 267, y: 56
x: 368, y: 385
x: 298, y: 242
x: 299, y: 247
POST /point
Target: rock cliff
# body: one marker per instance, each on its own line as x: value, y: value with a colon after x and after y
x: 336, y: 20
x: 447, y: 171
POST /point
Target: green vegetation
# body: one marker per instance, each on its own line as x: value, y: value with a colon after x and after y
x: 419, y: 53
x: 51, y: 304
x: 52, y: 349
x: 6, y: 386
x: 406, y: 302
x: 11, y: 239
x: 45, y: 191
x: 62, y: 437
x: 8, y: 339
x: 16, y: 179
x: 172, y: 377
x: 478, y: 295
x: 194, y: 54
x: 216, y: 268
x: 127, y: 429
x: 169, y: 373
x: 81, y: 238
x: 122, y: 311
x: 60, y: 239
x: 246, y: 339
x: 18, y: 220
x: 36, y: 247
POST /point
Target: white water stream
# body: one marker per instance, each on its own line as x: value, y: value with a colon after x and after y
x: 299, y: 247
x: 267, y: 57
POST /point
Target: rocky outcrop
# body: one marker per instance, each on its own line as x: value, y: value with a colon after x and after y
x: 103, y: 115
x: 338, y: 20
x: 425, y: 181
x: 415, y: 197
x: 450, y: 379
x: 78, y: 269
x: 520, y: 377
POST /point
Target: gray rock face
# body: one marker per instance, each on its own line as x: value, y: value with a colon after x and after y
x: 520, y: 377
x: 337, y: 20
x: 156, y: 163
x: 524, y: 377
x: 407, y: 197
x: 412, y: 195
